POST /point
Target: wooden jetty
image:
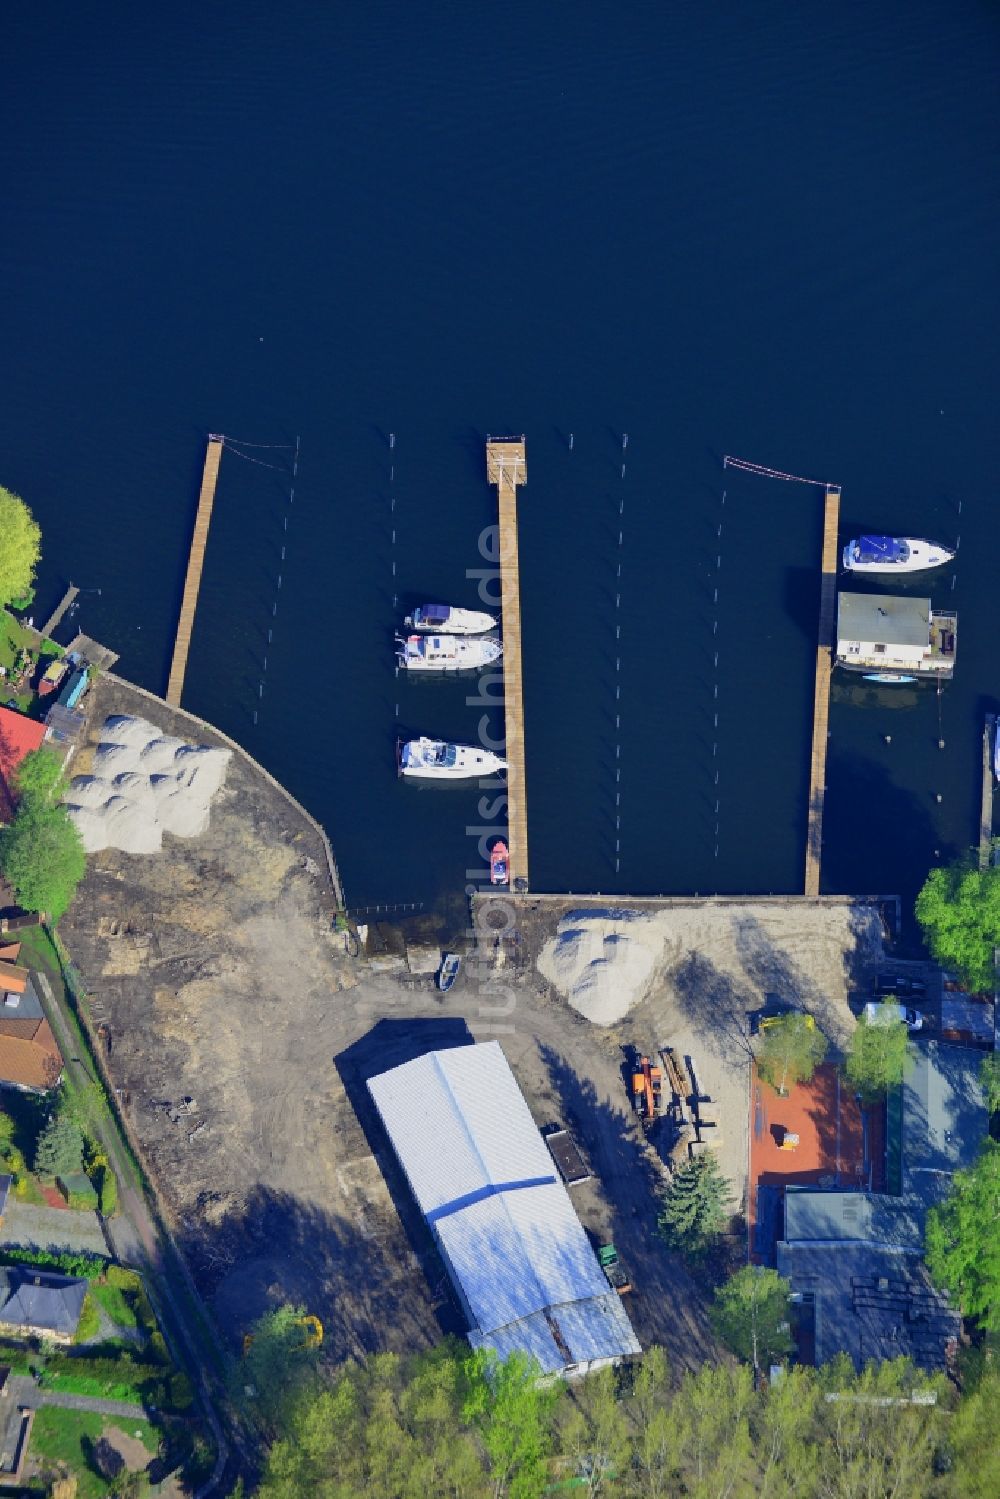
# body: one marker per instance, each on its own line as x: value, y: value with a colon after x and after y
x: 55, y: 618
x: 821, y: 699
x: 196, y: 560
x: 986, y: 806
x: 506, y: 467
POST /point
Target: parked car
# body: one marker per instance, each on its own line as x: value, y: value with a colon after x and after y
x: 882, y: 1012
x: 898, y: 983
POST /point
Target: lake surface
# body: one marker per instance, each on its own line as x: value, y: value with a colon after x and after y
x: 769, y: 230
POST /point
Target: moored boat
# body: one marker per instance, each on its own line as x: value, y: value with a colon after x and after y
x: 444, y: 619
x: 436, y: 653
x: 499, y: 863
x: 894, y: 554
x: 437, y: 760
x: 448, y: 972
x: 889, y: 678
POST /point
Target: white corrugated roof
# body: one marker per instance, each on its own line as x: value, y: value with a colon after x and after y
x: 484, y: 1180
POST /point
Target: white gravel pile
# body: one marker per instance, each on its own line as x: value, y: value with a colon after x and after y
x: 144, y: 784
x: 602, y: 962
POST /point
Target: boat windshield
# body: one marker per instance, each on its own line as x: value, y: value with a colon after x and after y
x: 434, y: 615
x: 445, y: 754
x: 881, y: 549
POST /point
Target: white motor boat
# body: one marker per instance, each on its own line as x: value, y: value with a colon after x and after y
x: 437, y: 653
x: 894, y: 554
x: 431, y: 619
x: 436, y: 760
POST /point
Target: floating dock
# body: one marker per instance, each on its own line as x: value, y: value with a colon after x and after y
x: 986, y: 806
x: 196, y: 560
x: 506, y: 467
x: 821, y: 699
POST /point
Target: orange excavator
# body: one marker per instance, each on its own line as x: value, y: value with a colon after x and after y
x: 647, y: 1091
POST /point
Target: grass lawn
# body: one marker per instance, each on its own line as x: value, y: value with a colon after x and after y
x: 65, y: 1436
x: 117, y: 1304
x: 13, y: 639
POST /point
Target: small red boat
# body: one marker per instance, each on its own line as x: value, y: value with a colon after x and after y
x: 499, y: 873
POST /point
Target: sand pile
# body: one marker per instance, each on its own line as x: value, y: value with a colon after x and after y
x: 144, y: 784
x: 603, y: 962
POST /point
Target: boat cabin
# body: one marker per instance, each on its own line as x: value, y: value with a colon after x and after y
x: 894, y: 633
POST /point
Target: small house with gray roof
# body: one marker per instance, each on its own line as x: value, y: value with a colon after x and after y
x: 36, y: 1303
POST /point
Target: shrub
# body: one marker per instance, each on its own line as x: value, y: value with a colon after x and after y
x: 123, y: 1279
x: 180, y: 1392
x: 78, y: 1191
x: 108, y: 1186
x: 86, y: 1266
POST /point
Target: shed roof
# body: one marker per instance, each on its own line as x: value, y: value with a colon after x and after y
x: 892, y: 619
x: 945, y: 1118
x: 484, y: 1180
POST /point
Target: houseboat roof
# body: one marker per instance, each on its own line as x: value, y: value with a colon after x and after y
x: 890, y: 618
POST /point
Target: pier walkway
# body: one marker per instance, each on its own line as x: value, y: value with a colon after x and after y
x: 506, y: 467
x: 55, y: 618
x: 821, y: 701
x: 196, y: 560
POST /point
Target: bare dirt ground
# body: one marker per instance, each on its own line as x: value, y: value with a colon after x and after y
x: 216, y: 970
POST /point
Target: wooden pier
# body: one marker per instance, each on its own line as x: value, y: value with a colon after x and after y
x: 55, y: 618
x: 506, y: 467
x: 821, y: 700
x: 196, y: 560
x: 986, y: 806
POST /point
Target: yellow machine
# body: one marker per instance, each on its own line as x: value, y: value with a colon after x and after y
x: 313, y: 1334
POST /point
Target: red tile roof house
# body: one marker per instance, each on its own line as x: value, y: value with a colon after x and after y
x: 18, y: 737
x: 29, y: 1057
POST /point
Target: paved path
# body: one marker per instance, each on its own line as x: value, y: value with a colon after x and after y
x: 30, y: 1226
x: 24, y: 1391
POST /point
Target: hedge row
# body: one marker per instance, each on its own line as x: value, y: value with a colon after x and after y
x: 86, y: 1266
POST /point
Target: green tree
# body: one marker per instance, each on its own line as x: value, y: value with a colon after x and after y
x: 791, y: 1049
x: 695, y: 1206
x: 512, y: 1412
x: 750, y: 1315
x: 975, y: 1451
x: 594, y: 1435
x: 711, y: 1413
x: 42, y: 858
x: 278, y: 1365
x: 958, y: 909
x: 39, y: 778
x: 989, y: 1077
x: 962, y: 1241
x: 878, y: 1433
x: 59, y: 1151
x: 879, y: 1054
x: 20, y: 547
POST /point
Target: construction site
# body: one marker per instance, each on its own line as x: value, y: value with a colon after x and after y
x: 239, y: 1027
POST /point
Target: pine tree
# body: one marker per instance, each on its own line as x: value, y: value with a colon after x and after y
x: 59, y: 1151
x: 695, y: 1206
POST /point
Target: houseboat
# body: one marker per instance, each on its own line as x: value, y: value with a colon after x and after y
x: 895, y: 637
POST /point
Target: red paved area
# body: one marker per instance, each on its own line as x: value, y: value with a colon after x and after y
x: 53, y: 1197
x: 840, y: 1145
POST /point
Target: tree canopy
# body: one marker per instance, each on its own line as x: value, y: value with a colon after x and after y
x: 20, y: 547
x: 750, y: 1315
x: 39, y: 778
x: 59, y: 1151
x: 962, y: 1242
x: 958, y: 909
x: 428, y: 1425
x: 278, y: 1366
x: 42, y: 857
x: 792, y: 1047
x: 989, y: 1077
x: 878, y: 1055
x: 695, y: 1206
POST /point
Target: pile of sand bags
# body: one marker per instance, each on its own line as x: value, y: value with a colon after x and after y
x: 144, y: 784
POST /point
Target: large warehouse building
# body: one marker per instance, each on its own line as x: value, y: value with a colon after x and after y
x: 513, y: 1246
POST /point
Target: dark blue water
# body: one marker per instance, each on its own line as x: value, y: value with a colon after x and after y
x: 764, y: 230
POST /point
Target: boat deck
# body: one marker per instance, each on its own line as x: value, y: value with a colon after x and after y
x: 506, y: 467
